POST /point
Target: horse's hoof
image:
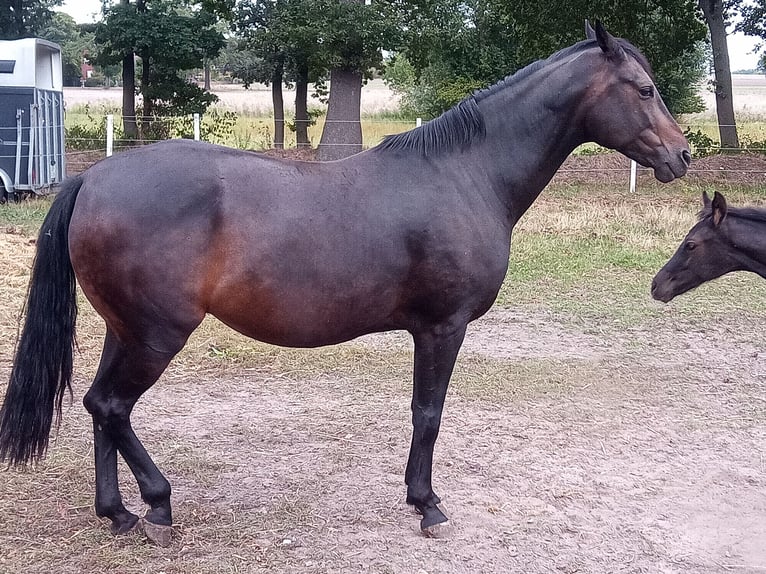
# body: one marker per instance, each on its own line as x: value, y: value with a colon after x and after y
x: 125, y: 525
x: 434, y: 523
x: 159, y: 534
x: 438, y: 530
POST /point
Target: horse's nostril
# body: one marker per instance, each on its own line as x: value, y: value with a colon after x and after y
x: 686, y: 156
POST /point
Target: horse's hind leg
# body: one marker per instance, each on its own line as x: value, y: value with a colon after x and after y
x: 125, y: 372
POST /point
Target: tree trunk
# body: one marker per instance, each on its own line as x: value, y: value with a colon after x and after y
x: 713, y: 11
x: 129, y: 94
x: 129, y: 97
x: 342, y: 133
x: 279, y: 108
x: 146, y: 79
x: 207, y: 74
x: 301, y: 108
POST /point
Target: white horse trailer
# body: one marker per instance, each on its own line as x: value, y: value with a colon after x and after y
x: 32, y: 155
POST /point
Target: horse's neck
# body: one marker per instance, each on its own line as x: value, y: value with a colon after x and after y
x: 531, y: 130
x: 749, y: 243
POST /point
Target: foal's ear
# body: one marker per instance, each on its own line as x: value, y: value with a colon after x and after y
x: 608, y: 44
x: 719, y: 208
x: 590, y: 33
x: 706, y: 203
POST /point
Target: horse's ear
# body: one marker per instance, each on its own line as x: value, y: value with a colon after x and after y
x: 608, y: 44
x: 590, y: 33
x: 706, y: 203
x: 719, y: 208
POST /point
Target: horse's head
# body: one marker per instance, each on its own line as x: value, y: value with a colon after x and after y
x: 624, y: 111
x: 704, y: 254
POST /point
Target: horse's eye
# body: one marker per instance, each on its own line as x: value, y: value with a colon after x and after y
x: 690, y: 245
x: 647, y: 92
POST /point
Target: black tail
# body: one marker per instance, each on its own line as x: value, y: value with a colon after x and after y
x: 42, y: 367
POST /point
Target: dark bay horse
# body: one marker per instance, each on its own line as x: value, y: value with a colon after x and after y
x: 725, y: 239
x: 413, y: 234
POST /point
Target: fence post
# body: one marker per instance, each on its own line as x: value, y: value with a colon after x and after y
x: 196, y: 127
x: 109, y: 135
x: 418, y: 122
x: 633, y: 170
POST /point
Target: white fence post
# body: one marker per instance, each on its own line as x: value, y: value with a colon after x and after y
x: 633, y: 171
x: 109, y: 135
x: 196, y: 127
x: 418, y: 122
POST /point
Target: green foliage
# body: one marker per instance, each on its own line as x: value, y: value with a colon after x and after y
x: 477, y: 42
x: 173, y: 95
x: 317, y: 35
x: 313, y: 115
x: 749, y: 144
x: 753, y: 23
x: 74, y: 43
x: 216, y: 126
x: 88, y: 130
x: 90, y: 133
x: 25, y: 18
x: 169, y: 37
x: 702, y: 144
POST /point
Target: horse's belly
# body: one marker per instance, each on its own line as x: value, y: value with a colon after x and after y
x: 306, y: 317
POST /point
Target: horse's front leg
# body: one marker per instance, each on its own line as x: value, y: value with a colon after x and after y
x: 435, y: 354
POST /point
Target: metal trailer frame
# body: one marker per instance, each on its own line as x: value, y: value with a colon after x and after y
x: 32, y: 152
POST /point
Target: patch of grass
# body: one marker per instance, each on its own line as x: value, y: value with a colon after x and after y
x: 591, y: 253
x: 253, y: 128
x: 26, y: 216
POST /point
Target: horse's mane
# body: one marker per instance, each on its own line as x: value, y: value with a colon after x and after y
x: 755, y: 214
x: 462, y: 124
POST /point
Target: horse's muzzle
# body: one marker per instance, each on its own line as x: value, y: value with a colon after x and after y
x: 673, y: 167
x: 660, y: 292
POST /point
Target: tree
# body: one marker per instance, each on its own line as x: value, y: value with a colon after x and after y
x: 74, y: 42
x: 168, y: 37
x: 261, y: 55
x: 458, y: 45
x: 285, y: 35
x: 454, y: 48
x: 353, y: 37
x: 25, y: 18
x: 301, y: 41
x: 715, y: 13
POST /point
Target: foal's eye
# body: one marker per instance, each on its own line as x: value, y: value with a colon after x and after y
x: 647, y: 92
x: 690, y: 245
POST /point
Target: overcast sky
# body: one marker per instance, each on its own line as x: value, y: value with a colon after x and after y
x: 740, y: 47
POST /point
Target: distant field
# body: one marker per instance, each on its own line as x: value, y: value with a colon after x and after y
x: 376, y: 98
x: 749, y: 97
